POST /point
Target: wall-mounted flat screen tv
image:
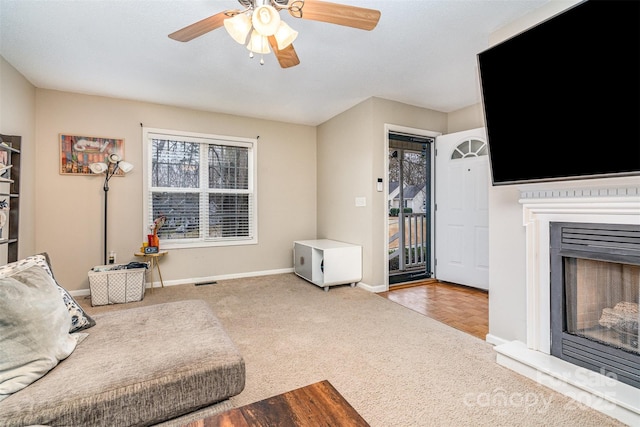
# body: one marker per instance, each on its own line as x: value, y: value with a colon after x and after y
x: 561, y: 100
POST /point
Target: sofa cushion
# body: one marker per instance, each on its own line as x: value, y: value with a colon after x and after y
x: 79, y: 319
x: 34, y: 328
x: 138, y: 366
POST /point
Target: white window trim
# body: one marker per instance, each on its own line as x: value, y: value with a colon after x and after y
x: 149, y: 133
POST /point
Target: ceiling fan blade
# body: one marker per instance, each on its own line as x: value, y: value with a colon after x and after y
x: 333, y: 13
x: 199, y: 28
x: 287, y: 57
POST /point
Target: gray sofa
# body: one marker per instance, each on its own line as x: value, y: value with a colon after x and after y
x: 165, y: 364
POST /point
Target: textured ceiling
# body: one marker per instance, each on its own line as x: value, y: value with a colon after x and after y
x: 421, y: 53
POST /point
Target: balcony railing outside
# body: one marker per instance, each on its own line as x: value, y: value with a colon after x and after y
x: 407, y: 236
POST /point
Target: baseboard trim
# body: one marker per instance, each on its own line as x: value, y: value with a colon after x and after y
x: 371, y: 288
x: 204, y: 279
x: 192, y: 280
x: 222, y: 277
x: 492, y: 339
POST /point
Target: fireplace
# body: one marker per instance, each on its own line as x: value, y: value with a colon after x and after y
x: 595, y: 291
x: 531, y: 354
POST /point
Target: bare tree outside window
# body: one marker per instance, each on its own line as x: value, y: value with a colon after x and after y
x: 175, y: 164
x: 228, y: 212
x: 205, y: 190
x: 414, y: 172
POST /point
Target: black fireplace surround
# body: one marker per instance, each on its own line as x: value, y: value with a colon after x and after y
x: 576, y: 251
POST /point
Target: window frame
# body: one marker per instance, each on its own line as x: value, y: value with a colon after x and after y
x: 148, y: 134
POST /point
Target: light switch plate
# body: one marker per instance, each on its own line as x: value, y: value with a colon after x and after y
x: 361, y: 201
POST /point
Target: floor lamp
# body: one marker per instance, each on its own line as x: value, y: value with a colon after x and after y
x: 109, y: 169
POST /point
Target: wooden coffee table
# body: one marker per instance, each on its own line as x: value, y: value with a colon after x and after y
x: 315, y: 405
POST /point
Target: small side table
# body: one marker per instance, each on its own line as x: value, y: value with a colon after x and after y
x: 153, y: 262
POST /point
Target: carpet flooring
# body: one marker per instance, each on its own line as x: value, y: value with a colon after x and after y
x: 395, y: 366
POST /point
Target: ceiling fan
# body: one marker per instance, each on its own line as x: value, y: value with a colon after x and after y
x: 259, y: 25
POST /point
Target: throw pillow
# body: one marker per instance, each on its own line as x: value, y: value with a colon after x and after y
x: 34, y: 328
x: 79, y: 319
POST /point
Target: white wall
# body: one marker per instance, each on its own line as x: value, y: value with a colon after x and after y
x: 351, y: 156
x: 66, y: 214
x: 17, y: 117
x: 471, y: 117
x: 345, y: 153
x: 63, y: 214
x: 69, y: 214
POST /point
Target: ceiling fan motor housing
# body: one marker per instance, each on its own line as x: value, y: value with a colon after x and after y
x: 266, y: 19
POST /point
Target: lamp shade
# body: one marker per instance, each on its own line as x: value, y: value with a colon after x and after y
x: 114, y: 158
x: 125, y: 167
x: 98, y: 167
x: 285, y: 35
x: 266, y: 20
x: 258, y: 43
x: 238, y: 27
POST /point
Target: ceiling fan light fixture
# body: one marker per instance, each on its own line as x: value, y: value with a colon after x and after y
x: 238, y: 27
x: 262, y: 17
x: 285, y: 35
x: 266, y: 20
x: 258, y: 43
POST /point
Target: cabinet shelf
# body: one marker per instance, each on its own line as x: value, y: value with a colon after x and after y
x: 5, y: 147
x: 327, y: 262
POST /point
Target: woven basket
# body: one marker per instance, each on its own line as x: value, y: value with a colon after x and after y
x: 117, y: 286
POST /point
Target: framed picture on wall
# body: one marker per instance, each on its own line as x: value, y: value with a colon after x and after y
x: 78, y: 152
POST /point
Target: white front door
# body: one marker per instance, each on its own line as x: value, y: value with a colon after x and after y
x: 461, y: 217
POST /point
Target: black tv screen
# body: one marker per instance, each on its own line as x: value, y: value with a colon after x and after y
x: 561, y: 100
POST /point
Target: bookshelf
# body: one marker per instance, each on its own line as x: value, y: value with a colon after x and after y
x: 9, y: 197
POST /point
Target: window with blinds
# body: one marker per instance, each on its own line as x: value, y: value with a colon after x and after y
x: 205, y: 187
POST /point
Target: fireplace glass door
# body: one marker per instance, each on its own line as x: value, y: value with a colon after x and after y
x: 602, y: 302
x: 595, y: 291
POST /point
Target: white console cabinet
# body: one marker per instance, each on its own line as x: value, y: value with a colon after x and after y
x: 327, y: 262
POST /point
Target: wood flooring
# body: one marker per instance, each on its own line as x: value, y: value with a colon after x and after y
x: 461, y: 307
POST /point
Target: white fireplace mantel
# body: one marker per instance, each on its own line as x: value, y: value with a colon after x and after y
x: 606, y: 206
x: 613, y: 205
